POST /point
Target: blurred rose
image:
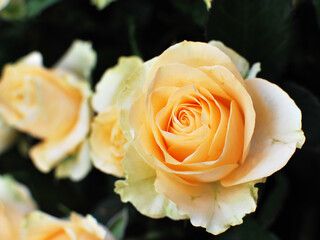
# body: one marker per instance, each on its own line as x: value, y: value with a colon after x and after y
x: 200, y: 137
x: 40, y: 226
x: 106, y: 139
x: 15, y: 203
x: 49, y: 104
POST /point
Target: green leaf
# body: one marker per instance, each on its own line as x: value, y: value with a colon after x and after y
x: 274, y: 201
x: 15, y: 10
x: 316, y: 3
x: 35, y: 7
x: 258, y: 30
x: 310, y: 108
x: 249, y: 230
x: 118, y: 224
x: 21, y: 9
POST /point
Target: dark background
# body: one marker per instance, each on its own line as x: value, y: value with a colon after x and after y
x: 283, y: 35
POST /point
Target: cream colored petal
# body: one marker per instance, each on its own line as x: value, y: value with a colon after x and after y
x: 210, y: 205
x: 193, y: 54
x: 79, y: 59
x: 77, y: 165
x: 254, y: 70
x: 50, y: 152
x: 32, y: 59
x: 208, y: 3
x: 7, y: 136
x: 241, y: 63
x: 112, y: 81
x: 138, y: 188
x: 129, y: 95
x: 276, y: 136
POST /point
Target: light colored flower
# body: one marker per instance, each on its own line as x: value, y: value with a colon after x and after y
x: 49, y: 104
x: 41, y: 226
x: 15, y: 203
x: 107, y: 140
x: 200, y: 136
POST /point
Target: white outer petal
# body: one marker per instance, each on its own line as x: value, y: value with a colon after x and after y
x: 276, y: 136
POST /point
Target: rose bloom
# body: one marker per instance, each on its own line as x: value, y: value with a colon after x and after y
x: 51, y: 105
x: 106, y: 138
x: 200, y: 136
x: 15, y: 203
x: 40, y: 226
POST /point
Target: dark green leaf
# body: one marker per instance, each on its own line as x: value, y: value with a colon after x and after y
x: 118, y: 224
x: 259, y: 30
x: 14, y: 11
x: 274, y: 201
x: 35, y: 7
x: 310, y: 108
x: 249, y: 230
x: 317, y: 6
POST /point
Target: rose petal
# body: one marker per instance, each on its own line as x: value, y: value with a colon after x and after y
x: 79, y: 59
x: 48, y: 153
x: 241, y: 63
x: 105, y: 154
x: 108, y: 88
x: 130, y: 94
x: 210, y: 205
x: 277, y: 133
x: 193, y: 54
x: 238, y: 92
x: 138, y: 188
x: 76, y: 166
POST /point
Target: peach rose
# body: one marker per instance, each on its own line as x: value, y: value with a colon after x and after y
x: 106, y: 139
x: 15, y: 203
x: 49, y: 104
x: 41, y: 226
x: 200, y: 136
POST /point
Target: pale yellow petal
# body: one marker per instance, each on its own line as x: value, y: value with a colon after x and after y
x: 209, y: 205
x: 138, y: 188
x: 112, y: 81
x: 241, y: 63
x: 79, y: 59
x: 193, y: 54
x: 276, y: 136
x: 77, y: 165
x: 49, y: 153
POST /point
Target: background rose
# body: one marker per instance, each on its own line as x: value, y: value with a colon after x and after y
x: 107, y: 140
x: 206, y: 135
x: 15, y: 203
x: 38, y: 226
x: 51, y: 105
